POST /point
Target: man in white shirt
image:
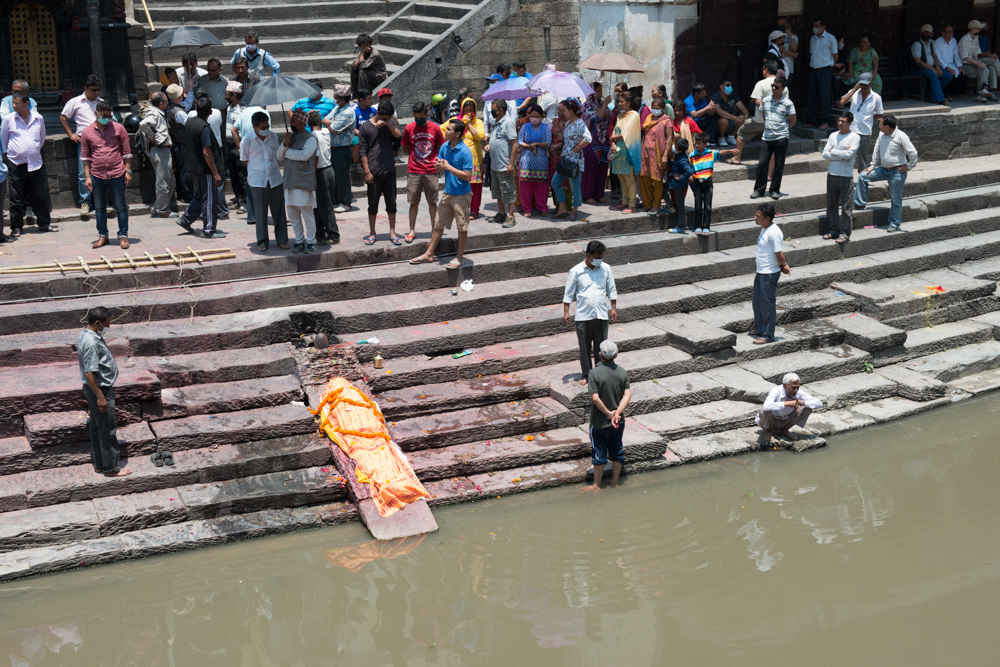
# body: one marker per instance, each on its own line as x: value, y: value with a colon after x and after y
x: 946, y: 51
x: 189, y: 73
x: 894, y: 155
x: 82, y: 110
x: 591, y: 284
x: 786, y: 405
x: 840, y: 150
x: 823, y: 53
x: 926, y: 64
x: 770, y: 265
x: 866, y: 105
x: 237, y: 172
x: 327, y: 232
x: 298, y: 152
x: 790, y: 46
x: 974, y: 64
x: 259, y: 152
x: 22, y: 135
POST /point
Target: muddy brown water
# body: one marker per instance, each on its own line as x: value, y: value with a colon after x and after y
x: 881, y: 549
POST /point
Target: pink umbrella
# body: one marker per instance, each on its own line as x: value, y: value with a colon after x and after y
x: 508, y: 89
x: 560, y: 84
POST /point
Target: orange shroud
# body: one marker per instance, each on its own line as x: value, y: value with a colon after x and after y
x: 355, y: 423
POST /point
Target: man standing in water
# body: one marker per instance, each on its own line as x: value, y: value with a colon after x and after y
x: 99, y: 372
x: 610, y: 393
x: 786, y: 405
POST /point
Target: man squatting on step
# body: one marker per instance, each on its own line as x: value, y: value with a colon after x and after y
x: 99, y: 372
x: 591, y: 284
x: 610, y: 394
x: 786, y: 405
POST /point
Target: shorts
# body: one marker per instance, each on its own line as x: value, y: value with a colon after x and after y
x: 606, y: 443
x: 355, y: 141
x: 453, y: 207
x: 750, y: 130
x: 384, y: 186
x: 502, y: 187
x: 421, y: 183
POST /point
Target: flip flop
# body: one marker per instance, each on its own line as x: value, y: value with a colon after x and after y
x: 262, y: 247
x: 453, y: 264
x: 827, y: 237
x: 395, y: 241
x: 168, y: 458
x: 157, y: 459
x: 760, y: 341
x: 422, y: 260
x: 369, y: 240
x: 409, y: 238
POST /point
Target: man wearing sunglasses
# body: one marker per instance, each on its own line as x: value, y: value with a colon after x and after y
x: 779, y: 117
x: 82, y: 109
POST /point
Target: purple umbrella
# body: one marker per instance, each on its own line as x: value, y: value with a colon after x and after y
x: 509, y: 89
x: 560, y: 84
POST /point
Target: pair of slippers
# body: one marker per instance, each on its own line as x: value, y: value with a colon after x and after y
x: 161, y: 459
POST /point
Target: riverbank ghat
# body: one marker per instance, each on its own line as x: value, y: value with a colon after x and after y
x: 223, y: 373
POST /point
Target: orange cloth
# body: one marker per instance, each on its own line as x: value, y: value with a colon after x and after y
x: 356, y: 557
x: 355, y: 423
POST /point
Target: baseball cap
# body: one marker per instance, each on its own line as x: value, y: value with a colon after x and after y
x: 384, y: 91
x: 234, y: 86
x: 976, y: 24
x: 495, y: 77
x: 775, y: 34
x: 927, y: 27
x: 174, y: 91
x: 865, y: 79
x: 609, y: 349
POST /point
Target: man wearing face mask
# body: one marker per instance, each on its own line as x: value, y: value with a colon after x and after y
x: 107, y: 168
x: 153, y: 129
x: 298, y: 152
x: 591, y: 284
x: 99, y: 372
x: 823, y: 54
x: 341, y: 121
x: 730, y: 111
x: 257, y: 58
x: 259, y: 152
x: 422, y: 140
x: 925, y: 64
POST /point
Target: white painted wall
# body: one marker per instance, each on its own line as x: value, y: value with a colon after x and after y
x: 644, y: 29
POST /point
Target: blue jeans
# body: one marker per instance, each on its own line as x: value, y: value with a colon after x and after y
x: 937, y: 83
x: 113, y: 189
x: 765, y: 306
x: 85, y: 196
x: 895, y: 179
x: 606, y: 443
x: 574, y: 183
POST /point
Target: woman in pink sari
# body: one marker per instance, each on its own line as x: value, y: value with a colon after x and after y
x: 657, y: 138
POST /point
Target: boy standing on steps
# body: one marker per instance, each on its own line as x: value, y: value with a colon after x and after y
x: 770, y: 265
x: 703, y: 164
x: 610, y: 395
x: 99, y: 372
x: 681, y: 173
x: 592, y: 285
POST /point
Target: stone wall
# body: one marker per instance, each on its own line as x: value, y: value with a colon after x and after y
x: 954, y: 135
x: 523, y: 36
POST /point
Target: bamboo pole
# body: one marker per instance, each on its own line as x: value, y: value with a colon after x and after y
x: 126, y: 260
x: 149, y: 19
x: 139, y: 264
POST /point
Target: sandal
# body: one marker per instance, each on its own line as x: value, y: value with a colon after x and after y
x: 760, y: 341
x: 370, y: 240
x: 423, y: 260
x: 409, y: 237
x: 284, y: 246
x: 827, y: 237
x: 261, y: 247
x: 842, y: 239
x: 453, y: 264
x: 627, y: 211
x: 168, y: 458
x: 395, y: 240
x: 157, y: 459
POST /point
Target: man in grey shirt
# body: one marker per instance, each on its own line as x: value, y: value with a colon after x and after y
x: 610, y: 394
x: 502, y: 138
x: 99, y: 372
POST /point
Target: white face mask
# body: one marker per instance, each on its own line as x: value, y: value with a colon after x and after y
x: 597, y: 263
x: 263, y: 133
x: 817, y: 31
x: 657, y: 112
x: 251, y: 48
x: 536, y: 121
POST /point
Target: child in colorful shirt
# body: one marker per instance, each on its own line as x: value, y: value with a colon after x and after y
x: 703, y: 164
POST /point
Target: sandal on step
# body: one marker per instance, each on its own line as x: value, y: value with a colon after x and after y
x: 422, y: 260
x: 168, y: 458
x: 157, y: 459
x: 453, y: 264
x: 827, y: 237
x: 409, y: 237
x: 261, y: 247
x: 370, y: 240
x: 395, y: 240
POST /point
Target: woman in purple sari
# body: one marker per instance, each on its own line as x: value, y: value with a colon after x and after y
x: 597, y: 116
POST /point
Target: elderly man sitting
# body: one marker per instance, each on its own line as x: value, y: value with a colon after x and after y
x: 787, y: 405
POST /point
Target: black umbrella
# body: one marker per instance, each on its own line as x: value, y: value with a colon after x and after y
x: 184, y: 37
x: 280, y: 89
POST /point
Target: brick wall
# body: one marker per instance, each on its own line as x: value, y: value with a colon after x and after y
x: 521, y: 36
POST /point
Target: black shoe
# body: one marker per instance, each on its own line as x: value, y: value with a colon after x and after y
x: 180, y: 223
x: 499, y: 217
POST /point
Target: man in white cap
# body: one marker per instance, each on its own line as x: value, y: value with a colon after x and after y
x: 866, y: 105
x: 983, y: 68
x: 925, y: 64
x: 610, y: 394
x: 786, y: 405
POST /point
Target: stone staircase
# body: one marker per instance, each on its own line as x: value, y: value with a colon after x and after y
x: 314, y: 38
x: 224, y: 386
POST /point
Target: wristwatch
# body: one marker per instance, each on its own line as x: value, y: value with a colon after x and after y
x: 128, y: 171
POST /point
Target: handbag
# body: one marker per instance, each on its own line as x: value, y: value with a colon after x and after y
x: 568, y: 167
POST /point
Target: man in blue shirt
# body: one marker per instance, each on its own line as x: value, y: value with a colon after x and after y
x: 257, y: 58
x: 318, y: 102
x: 520, y: 69
x: 455, y: 160
x: 701, y: 109
x: 7, y: 105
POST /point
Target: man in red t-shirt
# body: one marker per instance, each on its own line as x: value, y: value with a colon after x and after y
x: 422, y: 139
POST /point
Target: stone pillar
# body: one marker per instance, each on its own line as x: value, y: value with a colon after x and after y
x: 96, y: 44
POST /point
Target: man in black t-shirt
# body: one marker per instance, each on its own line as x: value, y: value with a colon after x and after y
x: 610, y: 394
x: 730, y: 111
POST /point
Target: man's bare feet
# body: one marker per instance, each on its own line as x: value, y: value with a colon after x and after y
x: 594, y: 487
x: 768, y: 437
x: 613, y: 484
x: 124, y: 472
x: 582, y: 383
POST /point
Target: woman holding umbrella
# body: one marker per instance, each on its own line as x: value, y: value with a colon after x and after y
x: 475, y: 132
x: 597, y: 116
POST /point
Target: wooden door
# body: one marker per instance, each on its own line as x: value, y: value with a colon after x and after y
x: 33, y: 46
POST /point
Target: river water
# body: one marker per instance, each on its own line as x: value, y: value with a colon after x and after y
x: 881, y: 549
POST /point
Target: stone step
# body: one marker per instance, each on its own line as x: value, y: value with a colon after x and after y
x: 885, y: 300
x: 207, y: 399
x: 233, y: 427
x: 921, y: 342
x: 867, y: 334
x: 491, y: 456
x: 811, y: 365
x: 51, y: 347
x: 648, y: 395
x: 957, y: 363
x: 526, y: 417
x: 849, y: 390
x: 447, y: 396
x: 810, y: 160
x: 181, y: 370
x: 54, y: 486
x: 964, y: 310
x: 120, y: 514
x: 911, y: 385
x: 60, y: 428
x: 17, y: 455
x: 711, y: 417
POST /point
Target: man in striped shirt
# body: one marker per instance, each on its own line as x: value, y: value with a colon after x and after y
x: 703, y: 163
